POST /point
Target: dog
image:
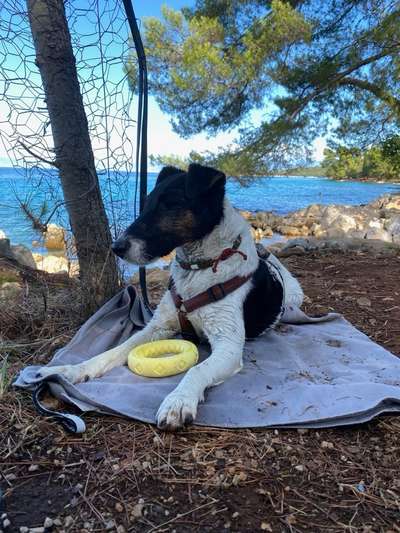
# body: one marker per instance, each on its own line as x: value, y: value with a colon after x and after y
x: 190, y: 213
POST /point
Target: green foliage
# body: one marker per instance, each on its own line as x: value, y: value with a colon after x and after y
x: 391, y: 151
x: 352, y: 163
x: 312, y: 66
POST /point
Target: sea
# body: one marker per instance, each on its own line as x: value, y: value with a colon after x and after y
x: 40, y: 189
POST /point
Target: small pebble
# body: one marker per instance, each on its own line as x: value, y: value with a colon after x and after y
x: 361, y: 487
x: 265, y: 526
x: 48, y: 522
x: 299, y: 468
x: 24, y: 529
x: 235, y: 514
x: 137, y: 510
x: 57, y: 522
x: 119, y: 507
x: 68, y: 521
x: 36, y: 530
x: 6, y: 523
x: 326, y: 444
x: 121, y: 529
x: 110, y: 524
x: 11, y: 477
x: 33, y: 468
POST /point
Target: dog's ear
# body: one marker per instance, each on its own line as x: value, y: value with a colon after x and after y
x: 166, y: 172
x: 200, y: 179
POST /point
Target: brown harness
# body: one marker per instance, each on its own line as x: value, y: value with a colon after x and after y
x: 211, y: 295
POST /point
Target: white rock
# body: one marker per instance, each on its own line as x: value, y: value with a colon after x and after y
x: 48, y: 522
x: 2, y: 234
x: 68, y: 521
x: 378, y: 234
x: 343, y: 223
x: 54, y: 238
x: 55, y: 263
x: 329, y: 214
x: 393, y: 229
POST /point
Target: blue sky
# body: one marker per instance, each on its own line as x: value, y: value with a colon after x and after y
x: 161, y: 138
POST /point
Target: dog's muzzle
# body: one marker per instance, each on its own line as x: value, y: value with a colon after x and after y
x: 120, y: 247
x: 131, y: 250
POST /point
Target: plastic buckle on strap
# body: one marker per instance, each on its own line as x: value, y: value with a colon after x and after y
x: 72, y: 423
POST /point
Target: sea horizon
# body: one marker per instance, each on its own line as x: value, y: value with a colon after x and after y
x: 280, y: 194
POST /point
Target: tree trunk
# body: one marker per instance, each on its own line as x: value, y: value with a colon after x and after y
x: 73, y: 151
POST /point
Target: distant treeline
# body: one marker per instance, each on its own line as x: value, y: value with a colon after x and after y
x: 381, y: 162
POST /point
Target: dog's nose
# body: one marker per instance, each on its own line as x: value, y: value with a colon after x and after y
x: 120, y: 247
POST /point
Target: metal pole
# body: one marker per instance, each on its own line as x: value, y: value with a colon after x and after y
x: 142, y: 125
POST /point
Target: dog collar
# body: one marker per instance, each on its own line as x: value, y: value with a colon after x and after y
x: 202, y: 264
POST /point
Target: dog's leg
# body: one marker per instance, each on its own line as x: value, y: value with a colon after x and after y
x: 163, y: 325
x: 180, y: 406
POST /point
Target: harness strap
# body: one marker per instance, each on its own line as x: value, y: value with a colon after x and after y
x: 213, y: 294
x: 202, y: 264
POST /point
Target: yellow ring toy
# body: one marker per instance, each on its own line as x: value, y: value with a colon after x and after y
x: 160, y: 359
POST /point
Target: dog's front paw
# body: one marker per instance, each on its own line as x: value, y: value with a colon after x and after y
x: 72, y: 373
x: 176, y: 410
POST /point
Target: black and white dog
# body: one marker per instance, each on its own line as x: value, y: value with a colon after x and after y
x: 188, y: 211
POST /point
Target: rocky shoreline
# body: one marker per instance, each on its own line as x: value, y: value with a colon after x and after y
x: 378, y: 220
x: 315, y: 227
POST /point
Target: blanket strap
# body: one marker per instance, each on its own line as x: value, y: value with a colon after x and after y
x: 72, y: 423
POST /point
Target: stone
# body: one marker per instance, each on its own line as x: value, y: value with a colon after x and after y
x: 393, y: 203
x: 10, y: 290
x: 56, y: 263
x: 55, y: 238
x: 363, y: 301
x: 23, y: 255
x: 268, y: 232
x: 393, y: 229
x: 68, y: 521
x: 378, y: 234
x: 328, y: 215
x: 137, y: 510
x: 317, y: 230
x: 248, y: 215
x: 5, y: 248
x: 293, y: 231
x: 48, y: 522
x: 110, y: 524
x: 342, y: 224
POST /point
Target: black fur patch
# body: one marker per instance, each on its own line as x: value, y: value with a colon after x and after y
x: 264, y: 302
x: 183, y: 207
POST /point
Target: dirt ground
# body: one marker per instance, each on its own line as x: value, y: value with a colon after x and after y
x: 126, y: 476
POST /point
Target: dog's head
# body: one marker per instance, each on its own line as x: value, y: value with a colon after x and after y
x: 183, y: 207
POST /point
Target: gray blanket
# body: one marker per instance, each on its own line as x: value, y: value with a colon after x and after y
x: 307, y: 373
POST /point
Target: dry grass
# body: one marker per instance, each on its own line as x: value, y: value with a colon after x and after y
x: 127, y: 476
